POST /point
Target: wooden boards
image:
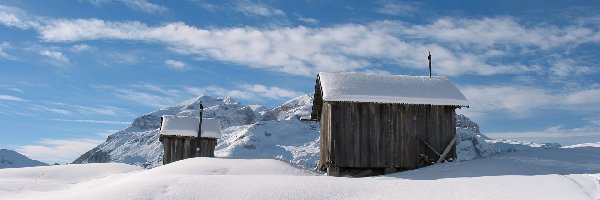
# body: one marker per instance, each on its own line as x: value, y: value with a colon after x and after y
x: 375, y: 135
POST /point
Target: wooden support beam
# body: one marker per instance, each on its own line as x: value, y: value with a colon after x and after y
x: 447, y: 149
x: 434, y: 151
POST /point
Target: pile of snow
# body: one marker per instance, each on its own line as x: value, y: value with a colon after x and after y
x: 13, y: 159
x: 382, y: 88
x: 572, y: 173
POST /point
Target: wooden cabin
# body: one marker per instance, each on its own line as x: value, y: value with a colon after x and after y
x: 373, y: 123
x: 183, y: 137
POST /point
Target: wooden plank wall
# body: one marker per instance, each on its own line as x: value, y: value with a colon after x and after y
x: 178, y: 148
x: 374, y: 135
x: 207, y: 147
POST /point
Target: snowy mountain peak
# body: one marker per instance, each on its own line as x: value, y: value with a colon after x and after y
x: 13, y: 159
x: 464, y: 122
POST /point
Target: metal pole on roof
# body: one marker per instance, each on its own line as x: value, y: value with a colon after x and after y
x: 199, y: 130
x: 429, y: 58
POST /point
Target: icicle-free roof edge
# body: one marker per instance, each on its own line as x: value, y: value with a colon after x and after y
x: 360, y: 87
x: 188, y: 126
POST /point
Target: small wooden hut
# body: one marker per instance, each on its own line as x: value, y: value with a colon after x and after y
x: 372, y: 123
x: 188, y: 137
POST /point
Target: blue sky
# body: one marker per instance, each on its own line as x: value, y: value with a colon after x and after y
x: 73, y: 72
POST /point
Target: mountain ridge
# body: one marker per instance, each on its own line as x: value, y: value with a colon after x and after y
x: 253, y: 131
x: 13, y: 159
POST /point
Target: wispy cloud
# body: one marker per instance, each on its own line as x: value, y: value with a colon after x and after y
x: 10, y: 98
x: 175, y: 64
x: 140, y: 5
x: 81, y: 47
x: 246, y: 91
x: 520, y: 101
x: 93, y: 110
x: 3, y: 53
x: 56, y: 56
x: 145, y: 94
x: 93, y: 121
x: 459, y: 45
x: 390, y: 7
x: 308, y: 20
x: 258, y: 9
x: 552, y: 132
x: 15, y: 17
x: 58, y: 151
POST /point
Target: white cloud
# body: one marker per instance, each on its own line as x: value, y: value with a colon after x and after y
x: 552, y: 132
x: 246, y: 91
x: 308, y: 20
x: 56, y: 56
x: 145, y: 98
x: 145, y: 94
x: 257, y: 9
x: 458, y: 45
x: 175, y: 64
x: 15, y: 17
x: 520, y: 101
x: 140, y: 5
x: 487, y: 32
x: 155, y: 88
x: 81, y: 47
x: 57, y: 111
x: 58, y: 151
x: 10, y: 98
x: 590, y: 97
x: 390, y: 7
x: 516, y: 100
x: 93, y: 121
x: 3, y: 54
x: 145, y: 6
x: 92, y: 110
x: 269, y: 92
x: 568, y: 67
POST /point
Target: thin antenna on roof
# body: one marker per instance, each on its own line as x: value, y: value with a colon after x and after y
x: 199, y: 130
x: 429, y: 58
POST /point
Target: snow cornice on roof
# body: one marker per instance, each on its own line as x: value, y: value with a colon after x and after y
x: 380, y: 88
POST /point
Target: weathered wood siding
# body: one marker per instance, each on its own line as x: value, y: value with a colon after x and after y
x: 375, y: 135
x: 207, y: 147
x: 178, y: 148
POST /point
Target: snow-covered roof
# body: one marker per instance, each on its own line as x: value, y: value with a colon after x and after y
x: 188, y: 126
x: 211, y: 128
x: 379, y: 88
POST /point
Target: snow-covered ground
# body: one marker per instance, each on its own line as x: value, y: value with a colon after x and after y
x: 560, y: 173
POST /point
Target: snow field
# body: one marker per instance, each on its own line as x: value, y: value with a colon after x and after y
x: 565, y: 173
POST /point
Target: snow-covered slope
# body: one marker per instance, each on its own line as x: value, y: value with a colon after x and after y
x: 13, y: 159
x: 563, y: 173
x: 256, y: 132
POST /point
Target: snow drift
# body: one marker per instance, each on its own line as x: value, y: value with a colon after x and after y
x: 563, y: 173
